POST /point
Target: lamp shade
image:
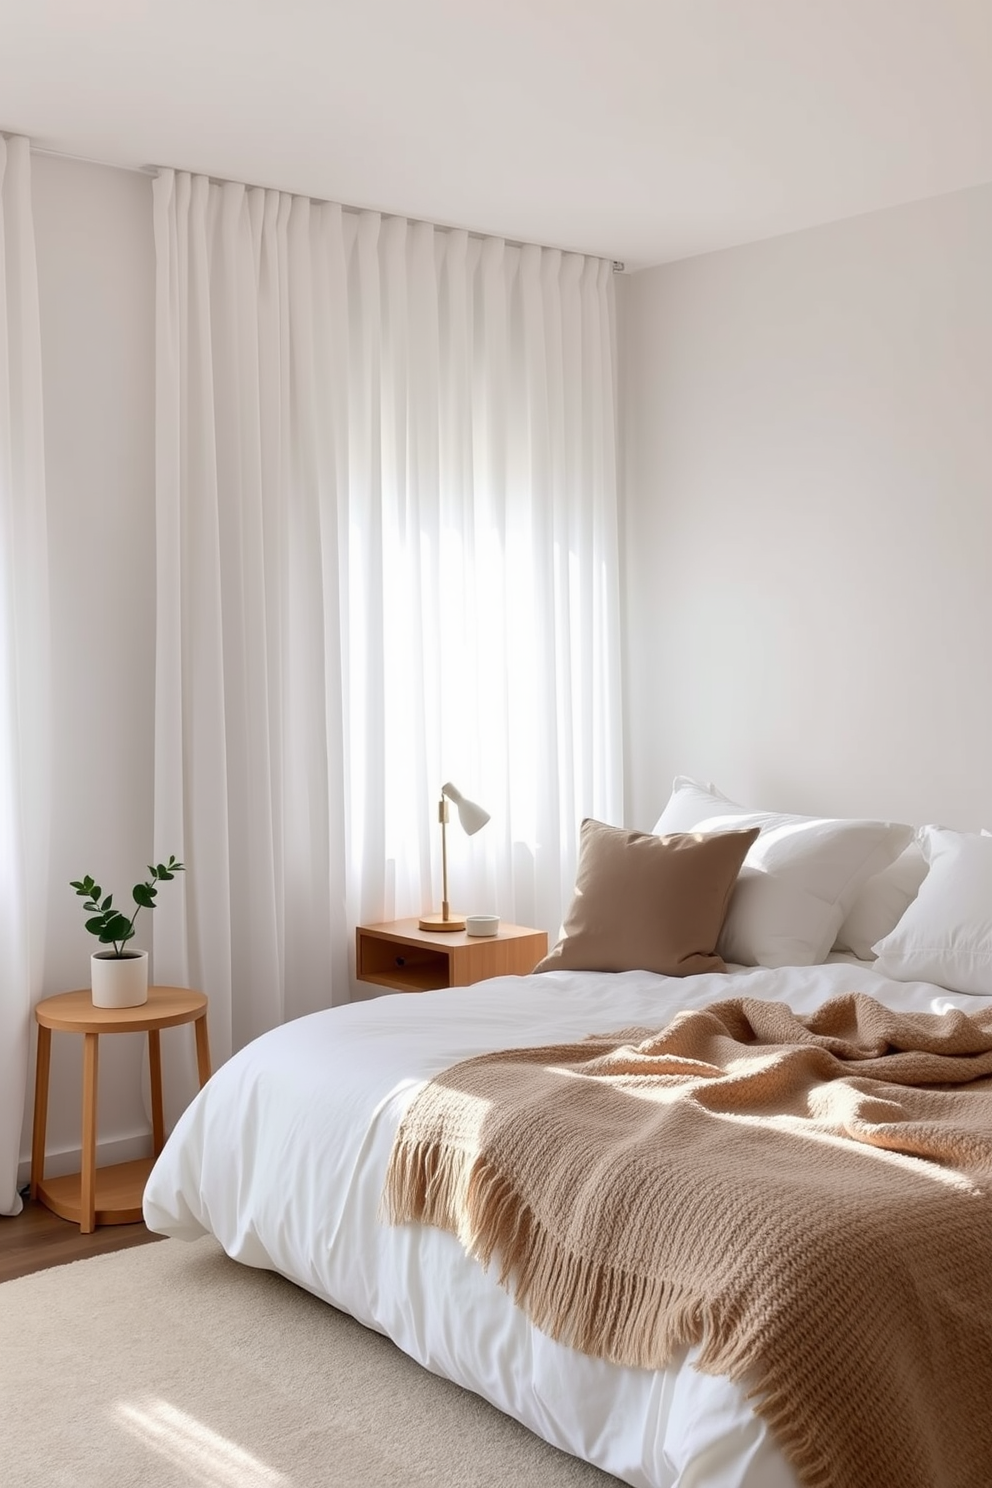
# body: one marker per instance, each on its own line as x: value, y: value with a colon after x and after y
x: 471, y: 816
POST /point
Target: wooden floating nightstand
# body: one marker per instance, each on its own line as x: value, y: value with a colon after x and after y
x: 402, y: 956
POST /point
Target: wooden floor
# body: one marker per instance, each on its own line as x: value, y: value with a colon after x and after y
x: 36, y: 1238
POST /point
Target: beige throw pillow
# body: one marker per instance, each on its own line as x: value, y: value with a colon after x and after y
x: 647, y: 903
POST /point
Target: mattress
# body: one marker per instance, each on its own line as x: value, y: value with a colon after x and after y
x: 282, y: 1156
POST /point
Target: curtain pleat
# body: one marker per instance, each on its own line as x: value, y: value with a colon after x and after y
x: 25, y: 671
x: 387, y: 558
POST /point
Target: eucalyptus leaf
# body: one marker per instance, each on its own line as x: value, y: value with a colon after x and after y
x: 111, y: 926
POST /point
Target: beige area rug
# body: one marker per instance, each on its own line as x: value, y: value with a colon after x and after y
x: 171, y: 1365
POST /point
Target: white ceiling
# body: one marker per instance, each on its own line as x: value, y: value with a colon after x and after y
x: 644, y: 130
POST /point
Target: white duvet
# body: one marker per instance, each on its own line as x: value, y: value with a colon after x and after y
x: 282, y: 1156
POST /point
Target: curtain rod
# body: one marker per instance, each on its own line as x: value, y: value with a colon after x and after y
x: 152, y: 170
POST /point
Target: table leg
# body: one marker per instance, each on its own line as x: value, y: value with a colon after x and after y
x: 155, y: 1074
x: 87, y: 1176
x: 40, y: 1108
x: 202, y: 1049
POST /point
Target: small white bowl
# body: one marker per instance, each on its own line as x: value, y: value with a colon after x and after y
x: 481, y: 924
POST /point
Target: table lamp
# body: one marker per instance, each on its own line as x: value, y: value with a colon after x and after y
x: 472, y: 817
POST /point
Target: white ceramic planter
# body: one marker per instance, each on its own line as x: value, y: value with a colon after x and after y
x: 119, y: 981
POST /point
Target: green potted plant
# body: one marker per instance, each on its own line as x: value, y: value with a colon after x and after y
x: 118, y: 976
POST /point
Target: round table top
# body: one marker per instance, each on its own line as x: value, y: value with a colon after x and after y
x: 74, y: 1012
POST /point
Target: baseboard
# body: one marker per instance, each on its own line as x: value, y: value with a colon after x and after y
x: 70, y: 1159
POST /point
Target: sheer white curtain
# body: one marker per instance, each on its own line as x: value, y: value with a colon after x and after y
x: 24, y: 657
x: 387, y: 546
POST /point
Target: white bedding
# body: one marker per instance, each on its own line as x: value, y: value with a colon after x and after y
x: 282, y: 1157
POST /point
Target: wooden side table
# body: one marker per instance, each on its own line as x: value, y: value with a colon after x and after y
x: 400, y: 955
x: 111, y: 1195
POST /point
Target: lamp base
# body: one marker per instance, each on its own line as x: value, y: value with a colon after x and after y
x: 437, y: 922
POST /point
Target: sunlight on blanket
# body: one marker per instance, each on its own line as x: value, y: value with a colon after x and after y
x: 200, y: 1454
x: 900, y: 1156
x: 839, y: 1113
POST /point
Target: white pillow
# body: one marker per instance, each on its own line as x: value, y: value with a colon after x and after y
x: 882, y: 903
x: 799, y: 880
x: 945, y: 936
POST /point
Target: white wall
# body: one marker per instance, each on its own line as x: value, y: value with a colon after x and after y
x: 808, y: 519
x: 96, y: 283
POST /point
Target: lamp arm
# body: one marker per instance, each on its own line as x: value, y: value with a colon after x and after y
x: 442, y: 814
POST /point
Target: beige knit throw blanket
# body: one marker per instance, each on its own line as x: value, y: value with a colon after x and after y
x: 806, y: 1198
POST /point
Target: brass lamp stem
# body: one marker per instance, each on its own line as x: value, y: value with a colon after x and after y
x: 442, y: 816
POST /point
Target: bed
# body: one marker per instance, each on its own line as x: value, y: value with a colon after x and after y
x: 282, y: 1156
